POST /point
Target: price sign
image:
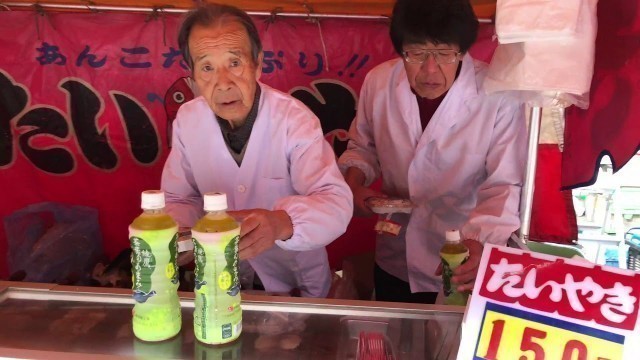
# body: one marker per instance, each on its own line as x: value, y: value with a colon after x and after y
x: 529, y: 306
x: 508, y: 333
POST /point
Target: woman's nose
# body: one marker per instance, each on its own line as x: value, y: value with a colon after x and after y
x: 430, y: 64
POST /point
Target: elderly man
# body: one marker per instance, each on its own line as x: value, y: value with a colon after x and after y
x: 425, y: 126
x: 261, y: 147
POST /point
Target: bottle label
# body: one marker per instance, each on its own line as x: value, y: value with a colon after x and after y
x: 156, y: 315
x: 172, y: 267
x: 229, y: 279
x: 449, y: 263
x: 200, y: 260
x: 217, y: 312
x: 143, y: 262
x: 226, y: 331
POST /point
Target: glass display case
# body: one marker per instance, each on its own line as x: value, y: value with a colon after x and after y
x: 46, y: 321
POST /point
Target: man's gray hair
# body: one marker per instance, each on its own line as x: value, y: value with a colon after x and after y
x: 209, y: 14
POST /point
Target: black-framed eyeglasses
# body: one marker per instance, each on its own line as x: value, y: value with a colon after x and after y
x: 442, y: 56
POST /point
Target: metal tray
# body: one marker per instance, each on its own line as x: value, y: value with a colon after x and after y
x: 44, y: 321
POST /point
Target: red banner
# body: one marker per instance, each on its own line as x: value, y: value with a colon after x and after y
x: 83, y: 102
x: 82, y: 109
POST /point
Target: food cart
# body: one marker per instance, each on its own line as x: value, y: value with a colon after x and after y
x: 45, y: 321
x: 53, y: 321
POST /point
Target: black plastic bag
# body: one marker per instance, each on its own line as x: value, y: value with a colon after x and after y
x: 53, y: 243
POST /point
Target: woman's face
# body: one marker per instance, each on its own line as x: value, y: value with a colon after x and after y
x: 435, y: 75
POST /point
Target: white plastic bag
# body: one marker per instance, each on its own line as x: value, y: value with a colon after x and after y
x: 523, y: 20
x: 548, y: 70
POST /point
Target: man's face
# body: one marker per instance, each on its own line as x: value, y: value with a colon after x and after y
x: 223, y: 68
x: 429, y: 79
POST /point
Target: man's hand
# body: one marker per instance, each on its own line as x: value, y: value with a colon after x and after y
x: 259, y: 229
x: 465, y: 275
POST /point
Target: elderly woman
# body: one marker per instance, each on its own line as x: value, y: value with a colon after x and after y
x: 425, y: 126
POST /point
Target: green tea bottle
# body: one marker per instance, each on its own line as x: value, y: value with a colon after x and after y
x: 153, y: 236
x: 217, y: 318
x: 452, y: 254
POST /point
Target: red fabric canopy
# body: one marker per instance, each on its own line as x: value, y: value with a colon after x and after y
x: 482, y: 8
x: 611, y: 125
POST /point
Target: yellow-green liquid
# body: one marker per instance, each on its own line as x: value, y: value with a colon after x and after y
x: 215, y: 222
x: 454, y: 248
x: 217, y: 317
x: 453, y: 255
x: 156, y: 314
x: 153, y: 220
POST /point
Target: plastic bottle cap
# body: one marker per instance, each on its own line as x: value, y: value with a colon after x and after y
x: 152, y: 199
x: 215, y: 201
x: 452, y: 236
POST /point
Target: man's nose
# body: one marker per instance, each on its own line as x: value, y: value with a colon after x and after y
x: 223, y: 80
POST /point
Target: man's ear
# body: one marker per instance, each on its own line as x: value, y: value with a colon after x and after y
x: 259, y: 65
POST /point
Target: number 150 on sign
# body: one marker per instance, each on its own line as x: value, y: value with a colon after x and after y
x: 508, y: 333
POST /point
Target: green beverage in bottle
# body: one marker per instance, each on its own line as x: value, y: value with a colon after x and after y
x: 153, y: 236
x: 217, y: 318
x: 452, y: 254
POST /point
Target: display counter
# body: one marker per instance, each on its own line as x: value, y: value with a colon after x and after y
x: 46, y: 321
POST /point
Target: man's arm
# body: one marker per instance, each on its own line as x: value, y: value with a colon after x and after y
x: 324, y: 206
x: 183, y: 200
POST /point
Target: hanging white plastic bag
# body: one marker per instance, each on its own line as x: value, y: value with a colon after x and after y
x: 560, y: 68
x: 523, y: 20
